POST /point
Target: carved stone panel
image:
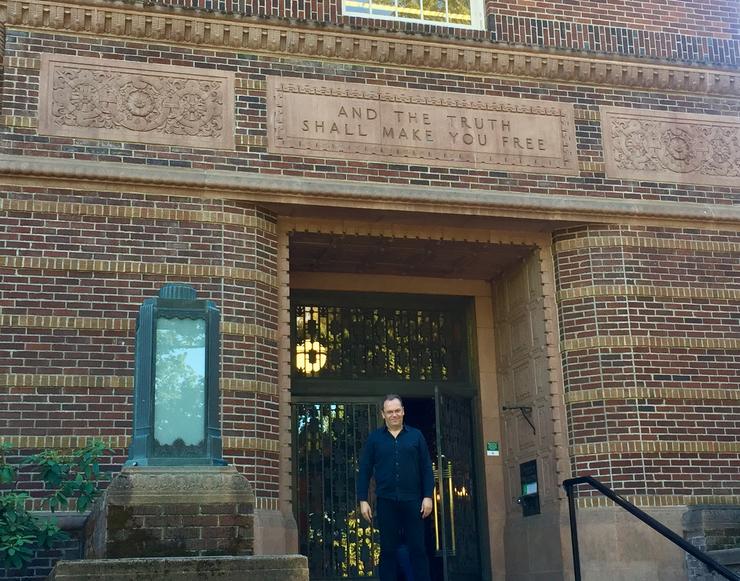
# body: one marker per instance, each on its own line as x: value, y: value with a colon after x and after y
x: 123, y: 101
x: 671, y: 147
x: 343, y: 120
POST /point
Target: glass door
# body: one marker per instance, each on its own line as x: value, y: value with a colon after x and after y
x: 339, y: 544
x: 455, y: 524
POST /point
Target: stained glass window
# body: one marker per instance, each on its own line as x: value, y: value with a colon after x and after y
x: 455, y: 13
x: 345, y: 342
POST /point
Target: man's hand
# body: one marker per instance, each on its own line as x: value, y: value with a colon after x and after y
x: 366, y: 511
x: 426, y: 507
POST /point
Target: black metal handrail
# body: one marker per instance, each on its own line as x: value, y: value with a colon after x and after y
x: 570, y: 485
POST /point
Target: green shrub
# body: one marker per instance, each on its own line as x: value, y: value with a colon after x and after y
x: 72, y: 477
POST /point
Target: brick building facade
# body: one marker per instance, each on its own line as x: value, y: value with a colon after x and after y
x: 596, y: 255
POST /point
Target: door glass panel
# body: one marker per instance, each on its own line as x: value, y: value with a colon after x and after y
x: 332, y: 534
x: 455, y: 490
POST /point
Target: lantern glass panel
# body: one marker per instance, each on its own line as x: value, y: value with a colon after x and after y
x: 180, y: 386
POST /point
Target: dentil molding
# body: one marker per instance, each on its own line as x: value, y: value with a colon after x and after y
x: 176, y: 25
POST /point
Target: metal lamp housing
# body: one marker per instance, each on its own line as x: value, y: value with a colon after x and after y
x: 176, y: 394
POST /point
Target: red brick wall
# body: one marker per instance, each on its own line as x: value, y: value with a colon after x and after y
x: 718, y: 18
x: 662, y: 262
x: 86, y: 360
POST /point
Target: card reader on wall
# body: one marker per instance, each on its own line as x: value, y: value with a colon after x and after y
x: 530, y: 498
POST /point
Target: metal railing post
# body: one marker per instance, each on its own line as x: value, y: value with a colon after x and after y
x: 574, y: 532
x: 571, y: 483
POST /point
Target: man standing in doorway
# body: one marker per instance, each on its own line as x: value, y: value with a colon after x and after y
x: 397, y: 457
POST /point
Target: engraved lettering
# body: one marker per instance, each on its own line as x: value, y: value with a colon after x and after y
x: 370, y: 123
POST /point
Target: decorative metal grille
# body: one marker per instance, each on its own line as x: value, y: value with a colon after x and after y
x: 342, y: 342
x: 332, y: 533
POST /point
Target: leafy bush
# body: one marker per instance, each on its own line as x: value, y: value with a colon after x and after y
x: 66, y: 477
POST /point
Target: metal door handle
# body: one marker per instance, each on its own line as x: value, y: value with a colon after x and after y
x: 439, y: 479
x: 435, y: 494
x: 450, y: 487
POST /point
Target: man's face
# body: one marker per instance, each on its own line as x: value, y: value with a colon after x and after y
x: 393, y: 414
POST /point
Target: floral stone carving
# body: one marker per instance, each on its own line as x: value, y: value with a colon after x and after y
x: 657, y: 146
x: 104, y: 99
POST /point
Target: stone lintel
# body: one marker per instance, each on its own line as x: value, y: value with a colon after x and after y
x: 292, y: 190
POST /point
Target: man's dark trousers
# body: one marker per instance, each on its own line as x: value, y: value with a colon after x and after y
x: 394, y: 519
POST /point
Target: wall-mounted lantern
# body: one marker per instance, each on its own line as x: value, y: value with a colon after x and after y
x: 176, y: 398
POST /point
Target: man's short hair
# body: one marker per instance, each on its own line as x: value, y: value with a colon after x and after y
x: 390, y: 397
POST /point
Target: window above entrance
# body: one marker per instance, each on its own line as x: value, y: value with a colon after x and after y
x: 342, y: 342
x: 454, y: 13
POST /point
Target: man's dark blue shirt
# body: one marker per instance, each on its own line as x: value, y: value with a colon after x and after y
x: 401, y: 465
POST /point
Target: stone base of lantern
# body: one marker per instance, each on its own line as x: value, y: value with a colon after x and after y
x: 173, y: 512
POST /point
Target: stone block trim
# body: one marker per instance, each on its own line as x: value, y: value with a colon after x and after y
x: 729, y: 294
x: 622, y: 393
x: 127, y: 267
x: 128, y: 324
x: 638, y: 240
x: 22, y: 63
x: 68, y: 442
x: 19, y: 121
x: 656, y: 446
x: 658, y: 501
x: 648, y: 341
x: 62, y: 382
x: 135, y: 212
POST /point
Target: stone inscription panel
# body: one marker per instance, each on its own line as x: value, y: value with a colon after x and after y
x: 111, y: 100
x: 339, y: 120
x: 657, y: 146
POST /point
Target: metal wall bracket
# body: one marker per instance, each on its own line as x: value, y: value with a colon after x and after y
x: 526, y: 412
